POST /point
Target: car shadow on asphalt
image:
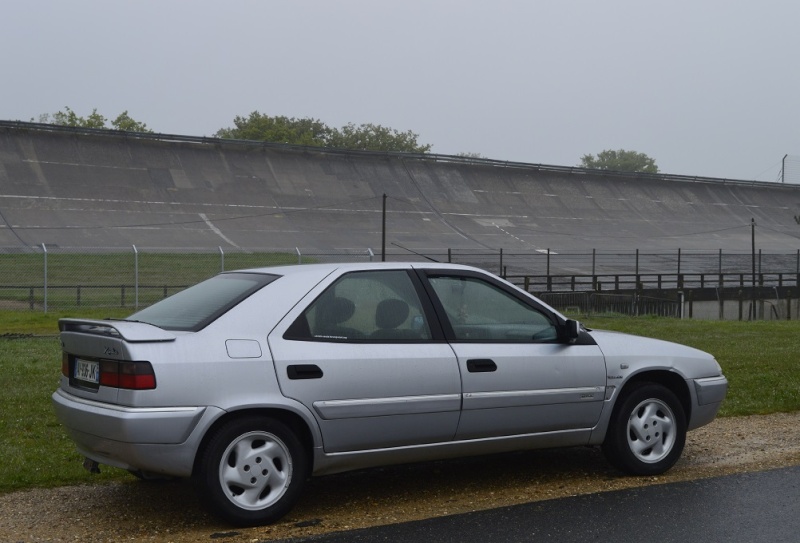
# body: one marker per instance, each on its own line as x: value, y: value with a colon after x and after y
x: 375, y: 496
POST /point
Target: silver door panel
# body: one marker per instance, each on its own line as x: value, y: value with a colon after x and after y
x: 381, y: 407
x: 522, y: 398
x: 534, y: 387
x: 482, y: 423
x: 374, y: 395
x: 356, y: 434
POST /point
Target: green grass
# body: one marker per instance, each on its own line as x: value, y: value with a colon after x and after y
x: 35, y: 449
x: 37, y: 323
x: 108, y: 279
x: 760, y: 360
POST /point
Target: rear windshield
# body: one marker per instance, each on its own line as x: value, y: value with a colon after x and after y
x: 198, y: 306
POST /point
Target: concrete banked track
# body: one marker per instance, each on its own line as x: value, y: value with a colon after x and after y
x: 85, y: 188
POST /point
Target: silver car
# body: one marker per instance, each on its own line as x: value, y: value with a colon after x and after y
x: 252, y: 381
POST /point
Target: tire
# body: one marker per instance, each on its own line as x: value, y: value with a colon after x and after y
x: 647, y: 430
x: 252, y: 471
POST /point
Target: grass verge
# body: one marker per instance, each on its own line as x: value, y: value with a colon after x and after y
x: 759, y: 359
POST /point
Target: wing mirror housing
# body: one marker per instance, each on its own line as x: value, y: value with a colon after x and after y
x: 572, y: 330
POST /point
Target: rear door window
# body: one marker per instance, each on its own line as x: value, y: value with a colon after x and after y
x: 365, y: 306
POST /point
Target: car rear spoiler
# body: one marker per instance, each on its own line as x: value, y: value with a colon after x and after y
x: 134, y: 332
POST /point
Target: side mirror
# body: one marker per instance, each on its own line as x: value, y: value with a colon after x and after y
x: 572, y: 330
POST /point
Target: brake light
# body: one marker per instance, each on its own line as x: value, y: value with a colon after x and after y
x: 64, y: 364
x: 128, y: 375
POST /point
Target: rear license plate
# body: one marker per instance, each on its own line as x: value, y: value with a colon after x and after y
x: 87, y: 370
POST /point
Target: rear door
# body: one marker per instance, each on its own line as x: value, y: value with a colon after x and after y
x: 519, y: 376
x: 363, y: 354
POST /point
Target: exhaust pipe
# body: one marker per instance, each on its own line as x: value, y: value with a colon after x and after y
x: 91, y: 466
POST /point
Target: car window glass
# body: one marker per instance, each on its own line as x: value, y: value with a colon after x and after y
x: 480, y: 311
x: 195, y: 307
x: 373, y: 306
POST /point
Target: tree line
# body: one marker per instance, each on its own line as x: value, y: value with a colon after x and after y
x: 313, y: 132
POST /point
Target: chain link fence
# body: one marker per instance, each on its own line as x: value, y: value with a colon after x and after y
x: 47, y: 278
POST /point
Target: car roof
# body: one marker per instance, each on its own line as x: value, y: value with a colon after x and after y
x: 326, y: 268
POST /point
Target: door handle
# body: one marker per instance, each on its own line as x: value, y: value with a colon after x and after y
x: 481, y: 365
x: 304, y: 371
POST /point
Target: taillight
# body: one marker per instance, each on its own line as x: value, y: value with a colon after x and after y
x: 129, y: 375
x: 64, y: 364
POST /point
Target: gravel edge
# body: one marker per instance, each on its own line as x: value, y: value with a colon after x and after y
x: 170, y: 512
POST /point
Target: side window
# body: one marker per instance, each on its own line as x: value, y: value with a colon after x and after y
x: 480, y: 311
x: 370, y: 306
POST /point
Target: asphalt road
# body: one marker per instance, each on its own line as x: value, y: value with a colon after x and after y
x: 748, y: 507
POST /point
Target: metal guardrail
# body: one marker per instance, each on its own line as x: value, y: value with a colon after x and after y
x: 594, y: 303
x: 616, y: 282
x: 58, y: 277
x: 131, y: 295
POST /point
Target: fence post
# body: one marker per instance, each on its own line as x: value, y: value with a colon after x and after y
x: 550, y: 279
x: 135, y: 278
x: 44, y: 248
x: 502, y: 274
x: 739, y: 296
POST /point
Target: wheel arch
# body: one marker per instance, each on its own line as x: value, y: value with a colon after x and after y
x: 292, y: 420
x: 669, y: 379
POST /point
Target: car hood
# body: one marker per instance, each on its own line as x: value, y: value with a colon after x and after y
x: 620, y: 348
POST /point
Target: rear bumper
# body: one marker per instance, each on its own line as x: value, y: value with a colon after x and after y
x: 158, y: 440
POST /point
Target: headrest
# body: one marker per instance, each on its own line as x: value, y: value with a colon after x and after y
x: 391, y: 313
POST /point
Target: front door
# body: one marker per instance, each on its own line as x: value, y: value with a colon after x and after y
x: 519, y: 376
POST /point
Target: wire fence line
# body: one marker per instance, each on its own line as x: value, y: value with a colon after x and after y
x: 49, y: 277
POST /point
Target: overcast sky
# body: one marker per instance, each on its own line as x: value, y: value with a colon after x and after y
x: 705, y: 87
